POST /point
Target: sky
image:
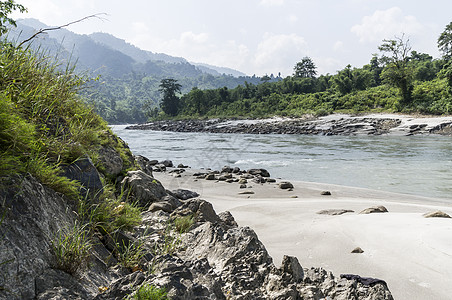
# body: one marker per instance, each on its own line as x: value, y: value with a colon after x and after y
x: 257, y: 36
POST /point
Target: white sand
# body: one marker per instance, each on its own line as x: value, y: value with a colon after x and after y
x: 411, y: 253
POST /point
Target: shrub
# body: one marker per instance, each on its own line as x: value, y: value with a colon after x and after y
x: 183, y: 224
x: 150, y: 292
x: 71, y: 248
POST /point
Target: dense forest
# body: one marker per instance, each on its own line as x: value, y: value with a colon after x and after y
x: 127, y: 78
x: 398, y: 79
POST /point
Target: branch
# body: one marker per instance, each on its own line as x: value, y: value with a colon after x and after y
x: 40, y: 31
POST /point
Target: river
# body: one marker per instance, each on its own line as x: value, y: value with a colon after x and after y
x: 419, y: 165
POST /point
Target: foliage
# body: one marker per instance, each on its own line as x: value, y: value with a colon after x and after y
x: 305, y: 68
x: 130, y: 255
x: 6, y: 8
x: 445, y: 42
x: 183, y: 224
x: 398, y: 72
x: 51, y: 124
x: 71, y: 248
x: 170, y: 101
x: 150, y: 292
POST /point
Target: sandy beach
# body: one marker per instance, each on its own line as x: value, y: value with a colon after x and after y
x: 413, y: 254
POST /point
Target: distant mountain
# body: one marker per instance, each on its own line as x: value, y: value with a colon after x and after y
x: 136, y: 53
x: 128, y: 88
x: 214, y: 70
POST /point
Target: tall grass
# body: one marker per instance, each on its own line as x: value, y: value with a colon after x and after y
x: 43, y: 122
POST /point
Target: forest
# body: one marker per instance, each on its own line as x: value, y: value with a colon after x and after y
x: 397, y: 79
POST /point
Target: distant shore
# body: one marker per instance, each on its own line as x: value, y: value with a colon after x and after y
x: 335, y: 124
x: 410, y: 252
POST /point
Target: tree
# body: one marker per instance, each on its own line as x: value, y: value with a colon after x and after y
x: 170, y: 102
x: 6, y: 8
x: 445, y: 42
x: 305, y: 68
x: 398, y: 71
x: 445, y: 46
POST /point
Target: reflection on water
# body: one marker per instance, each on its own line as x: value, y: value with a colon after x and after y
x: 418, y: 165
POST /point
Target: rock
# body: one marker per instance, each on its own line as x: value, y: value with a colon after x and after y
x: 165, y: 206
x: 110, y: 160
x: 227, y: 219
x: 375, y: 209
x: 261, y: 172
x: 153, y: 162
x: 325, y: 193
x: 167, y: 163
x: 271, y: 180
x: 285, y: 185
x: 143, y: 187
x: 236, y: 170
x: 144, y: 164
x: 184, y: 194
x: 56, y: 284
x: 292, y: 267
x: 246, y: 193
x: 159, y: 168
x: 86, y: 173
x: 334, y: 212
x: 210, y: 177
x: 226, y: 169
x: 436, y: 214
x: 357, y: 250
x: 182, y: 166
x: 243, y: 181
x: 259, y: 179
x: 201, y: 209
x: 243, y: 186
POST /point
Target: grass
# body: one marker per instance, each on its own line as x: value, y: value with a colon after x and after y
x: 71, y: 248
x: 130, y: 255
x: 150, y: 292
x: 183, y: 224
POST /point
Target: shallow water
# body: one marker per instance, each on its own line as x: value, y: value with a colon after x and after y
x: 419, y: 165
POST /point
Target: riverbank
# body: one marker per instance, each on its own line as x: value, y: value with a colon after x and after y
x: 336, y: 124
x: 412, y: 253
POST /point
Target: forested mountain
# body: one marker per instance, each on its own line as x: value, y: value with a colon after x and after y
x: 129, y: 77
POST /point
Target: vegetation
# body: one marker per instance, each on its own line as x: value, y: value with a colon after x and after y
x: 150, y: 292
x: 183, y: 224
x: 71, y: 248
x: 398, y: 80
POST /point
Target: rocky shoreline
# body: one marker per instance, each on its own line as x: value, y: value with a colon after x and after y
x: 337, y: 124
x: 213, y: 258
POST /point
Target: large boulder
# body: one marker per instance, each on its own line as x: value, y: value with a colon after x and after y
x: 145, y: 164
x: 261, y: 172
x: 84, y: 171
x: 111, y: 161
x: 144, y: 188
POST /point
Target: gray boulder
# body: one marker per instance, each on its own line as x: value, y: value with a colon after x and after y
x: 143, y: 187
x: 84, y: 171
x: 285, y: 185
x: 145, y: 164
x: 374, y: 209
x: 111, y: 161
x: 261, y: 172
x: 436, y: 214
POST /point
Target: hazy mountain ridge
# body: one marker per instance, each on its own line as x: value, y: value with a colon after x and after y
x: 107, y: 54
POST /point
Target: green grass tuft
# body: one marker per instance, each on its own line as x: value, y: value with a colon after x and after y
x: 150, y: 292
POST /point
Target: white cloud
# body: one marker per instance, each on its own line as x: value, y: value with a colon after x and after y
x: 272, y: 2
x: 293, y: 18
x: 385, y: 24
x: 338, y: 46
x: 279, y: 53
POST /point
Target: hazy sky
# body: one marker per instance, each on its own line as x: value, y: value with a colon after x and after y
x: 257, y: 36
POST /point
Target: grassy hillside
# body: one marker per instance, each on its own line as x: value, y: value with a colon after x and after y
x: 43, y: 121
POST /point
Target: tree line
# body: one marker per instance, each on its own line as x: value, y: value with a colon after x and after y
x: 399, y: 79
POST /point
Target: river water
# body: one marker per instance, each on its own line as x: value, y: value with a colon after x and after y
x: 418, y: 165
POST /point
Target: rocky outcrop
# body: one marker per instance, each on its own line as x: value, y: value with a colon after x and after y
x: 145, y: 188
x: 209, y: 257
x: 219, y: 260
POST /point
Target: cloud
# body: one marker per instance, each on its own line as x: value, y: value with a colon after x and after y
x: 338, y: 46
x: 385, y: 24
x: 279, y: 53
x: 272, y: 2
